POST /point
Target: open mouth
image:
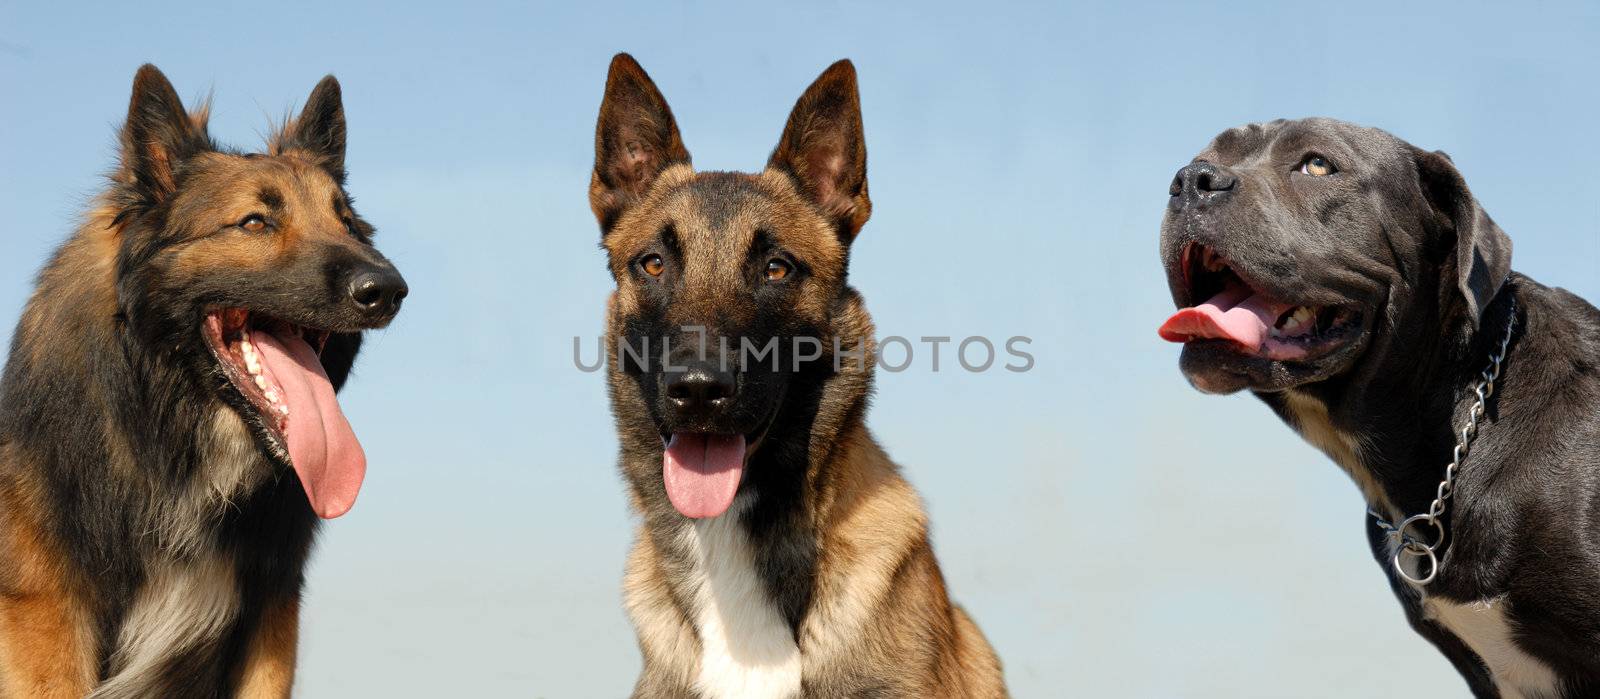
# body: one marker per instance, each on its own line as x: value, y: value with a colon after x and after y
x: 277, y: 368
x: 1251, y: 319
x: 702, y: 470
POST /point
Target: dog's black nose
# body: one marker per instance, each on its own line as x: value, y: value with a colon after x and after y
x: 377, y: 291
x: 701, y: 387
x: 1202, y: 183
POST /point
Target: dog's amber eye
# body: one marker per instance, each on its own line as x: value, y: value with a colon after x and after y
x: 1317, y: 166
x: 778, y: 270
x: 652, y: 265
x: 254, y: 223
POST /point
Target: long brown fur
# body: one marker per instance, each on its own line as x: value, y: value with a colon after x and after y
x: 46, y: 649
x: 152, y: 544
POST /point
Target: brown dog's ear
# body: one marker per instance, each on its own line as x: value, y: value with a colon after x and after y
x: 634, y: 140
x: 824, y: 151
x: 158, y: 136
x: 1480, y: 260
x: 319, y: 130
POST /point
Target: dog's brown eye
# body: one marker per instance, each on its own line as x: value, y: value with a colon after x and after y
x: 652, y: 265
x: 778, y: 270
x: 254, y: 223
x: 1317, y: 166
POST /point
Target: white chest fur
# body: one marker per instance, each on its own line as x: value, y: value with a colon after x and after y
x: 180, y: 607
x: 746, y: 648
x: 1484, y: 627
x: 230, y: 467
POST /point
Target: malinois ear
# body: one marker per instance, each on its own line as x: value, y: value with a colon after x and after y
x: 158, y: 136
x: 824, y: 151
x: 1480, y: 258
x: 634, y: 140
x: 319, y: 130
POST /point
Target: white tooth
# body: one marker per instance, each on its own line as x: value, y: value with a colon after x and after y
x: 1274, y: 331
x: 261, y: 382
x: 272, y: 396
x: 1301, y: 318
x: 252, y: 365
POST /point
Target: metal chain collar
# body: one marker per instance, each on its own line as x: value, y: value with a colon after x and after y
x: 1417, y: 547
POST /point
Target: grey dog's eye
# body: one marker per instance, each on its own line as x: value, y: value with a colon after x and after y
x: 1317, y: 166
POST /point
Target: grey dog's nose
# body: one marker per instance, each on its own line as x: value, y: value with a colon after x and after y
x: 1202, y: 183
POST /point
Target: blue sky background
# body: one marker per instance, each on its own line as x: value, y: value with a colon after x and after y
x: 1114, y: 532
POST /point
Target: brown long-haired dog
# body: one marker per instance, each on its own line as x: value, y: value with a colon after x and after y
x: 168, y: 428
x: 781, y: 553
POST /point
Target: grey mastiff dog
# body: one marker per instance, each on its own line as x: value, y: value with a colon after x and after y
x: 1352, y: 282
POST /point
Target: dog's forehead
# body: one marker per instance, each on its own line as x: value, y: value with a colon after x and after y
x: 726, y: 210
x: 720, y: 203
x: 285, y: 178
x: 1328, y: 137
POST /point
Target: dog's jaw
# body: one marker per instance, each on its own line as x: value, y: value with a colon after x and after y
x: 1238, y: 333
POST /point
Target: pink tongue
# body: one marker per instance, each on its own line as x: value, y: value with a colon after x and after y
x: 1238, y: 314
x: 702, y: 472
x: 322, y: 446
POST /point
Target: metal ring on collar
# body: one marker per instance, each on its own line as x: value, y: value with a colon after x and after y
x: 1417, y: 550
x: 1417, y: 540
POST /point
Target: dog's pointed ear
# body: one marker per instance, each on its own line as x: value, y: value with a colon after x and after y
x: 1479, y: 259
x: 319, y: 130
x: 824, y: 150
x: 634, y: 140
x: 158, y: 136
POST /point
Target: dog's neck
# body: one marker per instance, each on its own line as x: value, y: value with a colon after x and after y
x: 788, y: 514
x: 1391, y: 425
x: 784, y: 508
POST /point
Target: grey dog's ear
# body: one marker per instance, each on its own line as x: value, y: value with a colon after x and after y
x: 1481, y: 258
